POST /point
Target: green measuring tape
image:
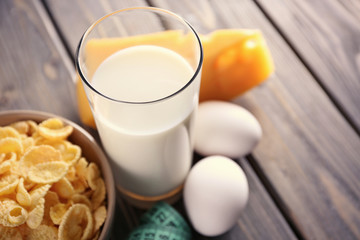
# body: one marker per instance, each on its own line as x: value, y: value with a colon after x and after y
x: 161, y: 222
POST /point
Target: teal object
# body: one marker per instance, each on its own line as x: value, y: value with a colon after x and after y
x: 161, y: 222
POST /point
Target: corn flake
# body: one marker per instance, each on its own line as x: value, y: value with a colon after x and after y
x: 72, y: 154
x: 10, y: 144
x: 71, y: 174
x: 27, y: 143
x: 11, y: 213
x: 15, y: 168
x: 77, y: 223
x: 5, y: 167
x: 63, y: 188
x: 28, y: 184
x: 79, y: 198
x: 51, y: 199
x: 92, y: 175
x: 38, y: 154
x: 36, y: 214
x: 79, y: 186
x: 22, y: 127
x: 57, y: 212
x: 98, y: 196
x: 38, y: 192
x: 9, y: 233
x: 48, y: 172
x: 8, y: 132
x: 22, y: 195
x: 43, y: 232
x: 80, y: 167
x: 54, y: 129
x: 8, y: 184
x: 7, y: 161
x: 33, y: 127
x: 57, y: 144
x: 25, y: 127
x: 99, y: 217
x: 8, y: 157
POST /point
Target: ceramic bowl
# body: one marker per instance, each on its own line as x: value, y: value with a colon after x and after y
x: 90, y: 150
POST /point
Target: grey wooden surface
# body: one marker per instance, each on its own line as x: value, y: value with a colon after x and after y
x: 327, y: 38
x: 303, y: 175
x: 32, y: 71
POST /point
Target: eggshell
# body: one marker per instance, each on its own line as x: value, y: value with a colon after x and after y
x: 224, y: 128
x: 215, y: 192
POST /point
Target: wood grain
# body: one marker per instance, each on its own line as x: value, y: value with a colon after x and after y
x: 327, y: 37
x: 273, y: 225
x: 309, y: 154
x: 261, y: 210
x: 74, y: 17
x: 32, y: 72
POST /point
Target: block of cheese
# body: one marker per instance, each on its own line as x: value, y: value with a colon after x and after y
x: 235, y: 60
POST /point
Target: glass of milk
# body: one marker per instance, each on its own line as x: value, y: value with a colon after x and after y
x: 140, y: 68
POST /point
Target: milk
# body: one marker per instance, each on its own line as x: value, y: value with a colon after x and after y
x: 145, y: 121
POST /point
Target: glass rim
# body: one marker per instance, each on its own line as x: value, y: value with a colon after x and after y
x: 154, y: 9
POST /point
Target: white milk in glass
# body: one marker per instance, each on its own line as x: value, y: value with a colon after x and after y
x: 148, y: 139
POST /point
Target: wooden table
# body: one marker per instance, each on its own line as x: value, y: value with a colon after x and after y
x: 304, y: 176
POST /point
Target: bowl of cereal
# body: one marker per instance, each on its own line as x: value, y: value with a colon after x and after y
x: 55, y: 181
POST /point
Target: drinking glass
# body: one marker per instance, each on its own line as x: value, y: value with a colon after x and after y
x: 140, y: 68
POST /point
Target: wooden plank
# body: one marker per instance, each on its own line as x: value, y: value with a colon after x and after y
x: 261, y: 210
x: 81, y: 14
x: 327, y: 37
x: 309, y: 155
x: 33, y: 74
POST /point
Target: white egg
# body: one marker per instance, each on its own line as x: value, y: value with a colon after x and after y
x: 215, y: 192
x: 223, y: 128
